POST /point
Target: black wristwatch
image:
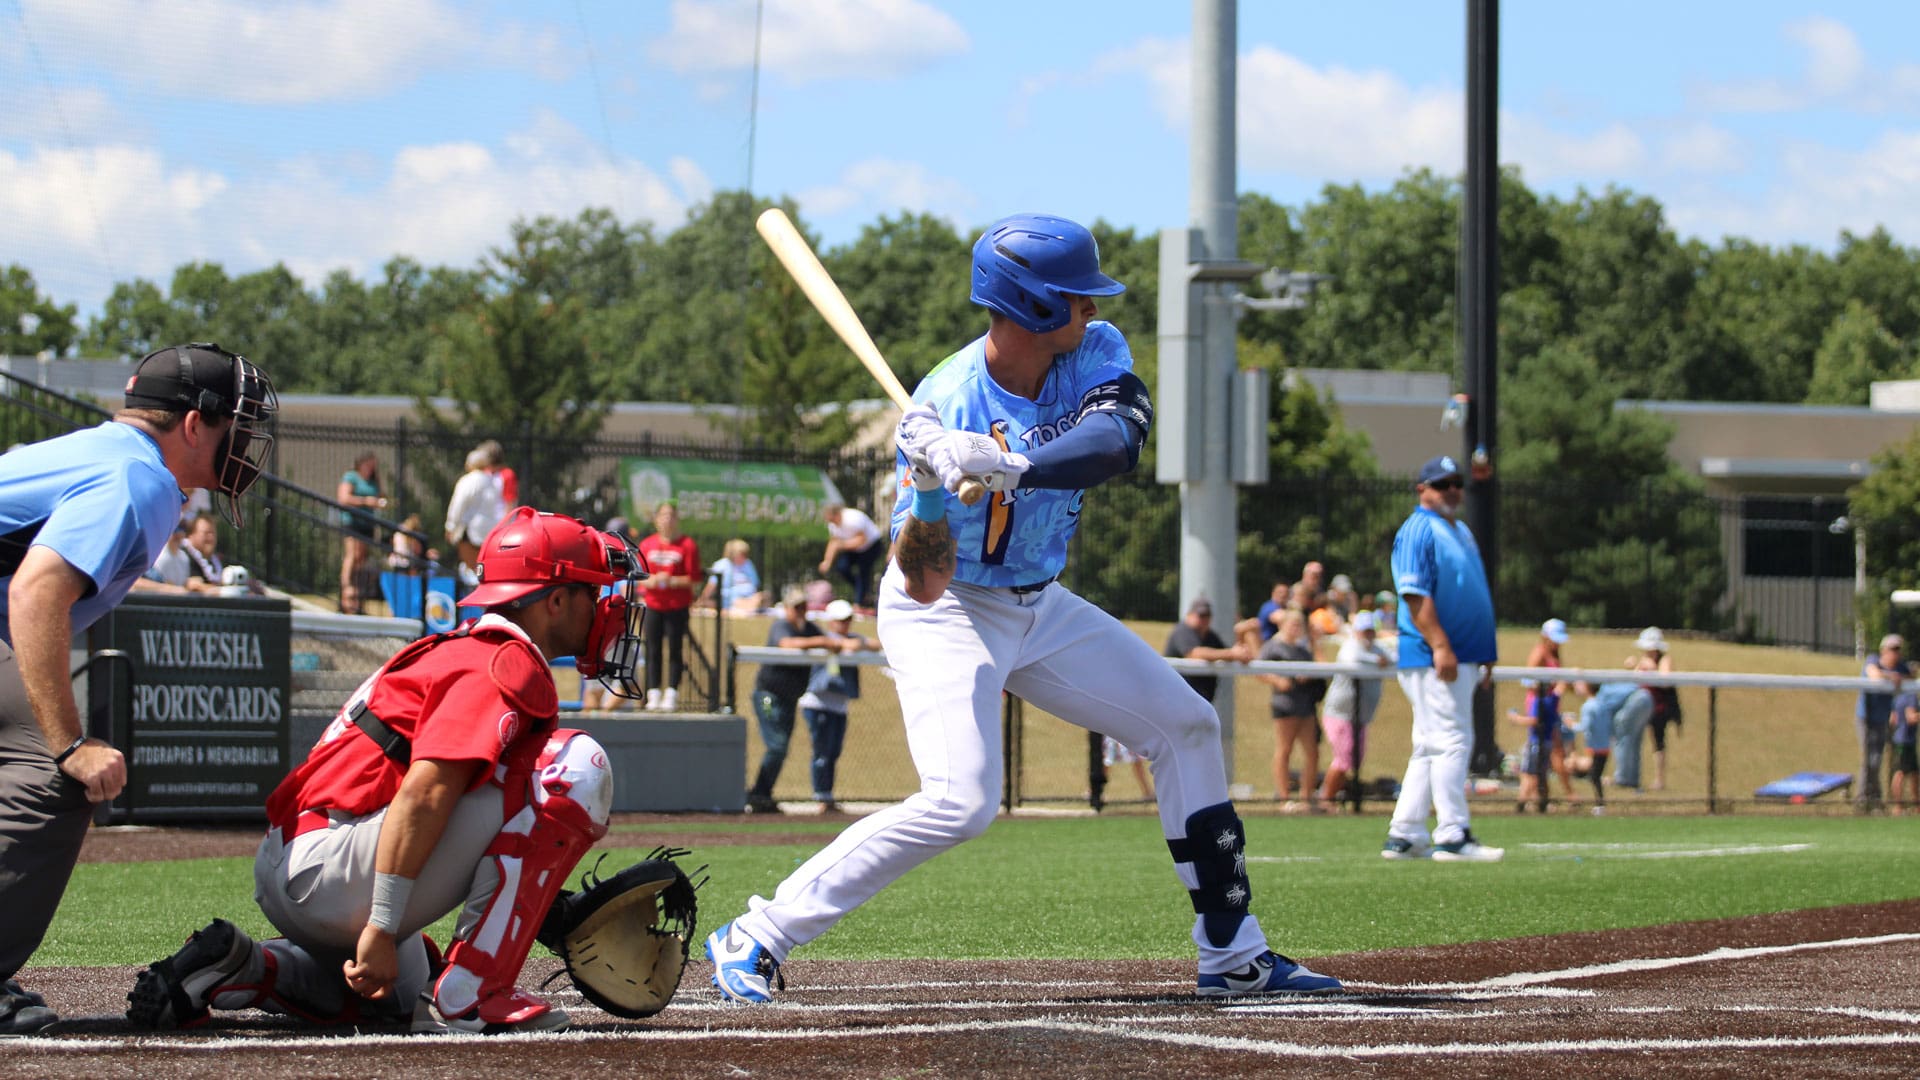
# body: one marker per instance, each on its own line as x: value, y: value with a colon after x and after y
x: 61, y: 758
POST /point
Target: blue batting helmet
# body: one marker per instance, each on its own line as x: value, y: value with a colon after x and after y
x: 1024, y: 264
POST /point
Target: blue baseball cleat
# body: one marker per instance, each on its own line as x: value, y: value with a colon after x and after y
x: 742, y: 967
x: 1270, y: 973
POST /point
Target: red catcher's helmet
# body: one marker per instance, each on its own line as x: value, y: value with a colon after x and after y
x: 531, y: 551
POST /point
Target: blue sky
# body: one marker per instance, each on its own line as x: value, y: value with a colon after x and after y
x: 136, y: 134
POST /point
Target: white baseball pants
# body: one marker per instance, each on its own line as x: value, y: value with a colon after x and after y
x: 951, y: 659
x: 1436, y: 780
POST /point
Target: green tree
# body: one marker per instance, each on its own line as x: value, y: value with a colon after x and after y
x: 1884, y: 506
x: 796, y: 374
x: 518, y: 365
x: 53, y: 326
x: 1856, y: 351
x: 132, y: 321
x: 1769, y: 310
x: 1598, y: 525
x: 908, y: 279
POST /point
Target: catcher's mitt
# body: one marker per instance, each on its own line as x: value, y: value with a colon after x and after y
x: 625, y: 938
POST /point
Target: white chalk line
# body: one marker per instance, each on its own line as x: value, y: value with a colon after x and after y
x: 1128, y: 1028
x: 1650, y: 963
x: 1668, y: 851
x: 1063, y: 1027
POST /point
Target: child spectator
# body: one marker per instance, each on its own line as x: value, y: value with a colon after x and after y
x: 1904, y: 789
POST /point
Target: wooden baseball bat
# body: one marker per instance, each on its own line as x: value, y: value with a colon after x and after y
x: 804, y: 266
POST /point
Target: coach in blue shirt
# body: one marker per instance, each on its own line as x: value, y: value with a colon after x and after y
x: 82, y: 517
x: 1447, y: 646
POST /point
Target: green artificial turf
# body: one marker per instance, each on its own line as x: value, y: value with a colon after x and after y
x: 1103, y: 887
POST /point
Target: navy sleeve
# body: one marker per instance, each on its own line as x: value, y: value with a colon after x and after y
x: 1094, y: 450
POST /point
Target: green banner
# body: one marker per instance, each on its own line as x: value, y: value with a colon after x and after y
x: 748, y: 498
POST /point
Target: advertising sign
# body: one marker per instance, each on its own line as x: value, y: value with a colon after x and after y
x: 751, y: 498
x: 208, y: 722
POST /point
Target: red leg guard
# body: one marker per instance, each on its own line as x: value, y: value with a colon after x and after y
x: 555, y: 811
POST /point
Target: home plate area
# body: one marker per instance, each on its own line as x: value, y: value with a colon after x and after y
x: 1832, y: 992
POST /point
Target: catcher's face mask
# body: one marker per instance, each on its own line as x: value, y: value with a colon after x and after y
x: 613, y: 645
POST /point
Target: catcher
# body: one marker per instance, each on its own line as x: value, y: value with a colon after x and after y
x: 444, y: 782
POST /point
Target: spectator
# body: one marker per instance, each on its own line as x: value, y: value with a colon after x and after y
x: 1871, y: 714
x: 1114, y: 752
x: 1349, y: 709
x: 1614, y: 709
x: 1294, y: 702
x: 853, y: 546
x: 1193, y: 639
x: 408, y: 553
x: 830, y: 687
x: 1270, y: 611
x: 199, y: 501
x: 1904, y: 791
x: 170, y: 571
x: 777, y: 690
x: 1342, y: 599
x: 1540, y: 715
x: 204, y: 562
x: 475, y: 508
x: 359, y: 488
x: 1386, y: 622
x: 733, y: 584
x: 1666, y: 700
x: 1309, y: 591
x: 673, y: 561
x: 1546, y: 654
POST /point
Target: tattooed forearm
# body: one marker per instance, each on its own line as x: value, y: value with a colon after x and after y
x: 925, y: 552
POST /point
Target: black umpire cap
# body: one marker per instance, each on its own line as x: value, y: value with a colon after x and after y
x: 182, y: 377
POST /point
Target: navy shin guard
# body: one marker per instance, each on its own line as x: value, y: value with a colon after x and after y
x: 1216, y: 846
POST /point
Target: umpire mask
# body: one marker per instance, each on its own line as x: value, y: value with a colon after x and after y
x: 220, y: 385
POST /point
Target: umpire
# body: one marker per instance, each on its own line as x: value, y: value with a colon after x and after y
x: 82, y: 516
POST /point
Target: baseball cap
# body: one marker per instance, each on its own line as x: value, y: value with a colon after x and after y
x: 1651, y: 639
x: 837, y: 610
x: 1385, y: 596
x: 1362, y: 621
x: 1439, y: 469
x: 794, y: 596
x: 1341, y: 582
x: 1893, y: 641
x: 183, y: 377
x: 1554, y: 630
x: 1200, y: 606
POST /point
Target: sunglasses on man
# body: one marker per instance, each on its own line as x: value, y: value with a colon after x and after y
x: 1451, y: 483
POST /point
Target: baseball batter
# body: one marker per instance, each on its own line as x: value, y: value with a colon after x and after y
x: 1043, y: 407
x: 443, y: 783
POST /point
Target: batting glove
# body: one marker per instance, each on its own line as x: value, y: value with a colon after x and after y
x: 922, y: 474
x: 919, y: 426
x: 963, y: 455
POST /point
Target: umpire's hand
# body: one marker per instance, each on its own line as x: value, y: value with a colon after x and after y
x: 100, y: 768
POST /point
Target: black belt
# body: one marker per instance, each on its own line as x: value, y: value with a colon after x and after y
x: 1022, y: 590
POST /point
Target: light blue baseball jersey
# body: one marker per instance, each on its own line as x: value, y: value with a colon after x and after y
x: 1016, y: 537
x: 101, y: 498
x: 1437, y: 558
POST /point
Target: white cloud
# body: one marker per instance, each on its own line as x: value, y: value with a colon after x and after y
x: 876, y: 186
x: 1702, y: 148
x: 83, y: 220
x: 32, y: 112
x: 290, y: 51
x: 1819, y: 191
x: 805, y: 40
x: 1338, y: 124
x: 1546, y: 154
x: 1835, y: 72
